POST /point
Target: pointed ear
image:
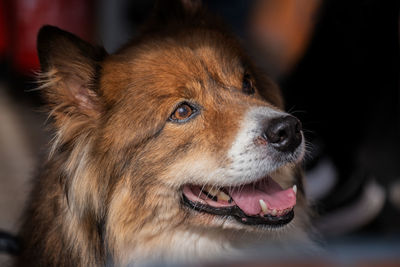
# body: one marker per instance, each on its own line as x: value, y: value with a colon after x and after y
x: 69, y: 71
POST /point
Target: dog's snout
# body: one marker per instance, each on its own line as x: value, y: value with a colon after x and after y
x: 284, y: 133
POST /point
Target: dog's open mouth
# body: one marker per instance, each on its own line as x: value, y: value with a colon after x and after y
x: 262, y: 202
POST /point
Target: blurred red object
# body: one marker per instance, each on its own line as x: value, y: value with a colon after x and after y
x: 75, y: 16
x: 3, y: 31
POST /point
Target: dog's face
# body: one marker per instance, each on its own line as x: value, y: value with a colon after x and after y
x: 174, y: 130
x: 191, y: 118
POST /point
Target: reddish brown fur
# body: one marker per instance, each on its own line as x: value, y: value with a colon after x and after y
x: 106, y: 187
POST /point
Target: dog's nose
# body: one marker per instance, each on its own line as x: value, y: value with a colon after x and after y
x: 284, y: 133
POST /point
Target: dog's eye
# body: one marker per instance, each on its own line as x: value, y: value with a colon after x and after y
x: 183, y: 112
x: 247, y: 85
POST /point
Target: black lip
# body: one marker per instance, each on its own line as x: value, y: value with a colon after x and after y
x: 239, y: 215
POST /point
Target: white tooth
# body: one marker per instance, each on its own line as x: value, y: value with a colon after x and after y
x: 221, y: 195
x: 263, y: 206
x: 295, y: 189
x: 274, y: 212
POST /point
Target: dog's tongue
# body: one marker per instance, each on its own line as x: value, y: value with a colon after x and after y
x: 247, y: 197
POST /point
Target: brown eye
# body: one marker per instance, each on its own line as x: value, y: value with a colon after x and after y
x: 182, y: 113
x: 247, y: 85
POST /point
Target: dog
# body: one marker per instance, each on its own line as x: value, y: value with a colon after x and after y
x: 174, y: 148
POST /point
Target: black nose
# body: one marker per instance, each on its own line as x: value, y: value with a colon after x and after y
x: 284, y: 133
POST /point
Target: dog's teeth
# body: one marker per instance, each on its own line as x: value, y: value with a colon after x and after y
x: 295, y: 189
x: 274, y: 212
x: 223, y: 196
x: 218, y: 194
x: 212, y: 191
x: 263, y: 205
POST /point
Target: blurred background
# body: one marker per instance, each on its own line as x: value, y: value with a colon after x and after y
x: 337, y: 62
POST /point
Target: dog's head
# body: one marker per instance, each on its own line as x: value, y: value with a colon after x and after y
x: 176, y: 129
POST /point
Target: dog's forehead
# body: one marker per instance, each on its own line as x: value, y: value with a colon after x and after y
x: 174, y: 67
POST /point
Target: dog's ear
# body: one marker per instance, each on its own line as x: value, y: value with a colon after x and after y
x: 69, y: 70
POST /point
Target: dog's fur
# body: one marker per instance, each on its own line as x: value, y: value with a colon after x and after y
x: 110, y: 192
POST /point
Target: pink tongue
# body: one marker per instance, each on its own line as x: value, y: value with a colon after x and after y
x: 248, y: 197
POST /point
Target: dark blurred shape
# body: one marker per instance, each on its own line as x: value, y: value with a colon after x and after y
x: 348, y: 85
x: 9, y: 243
